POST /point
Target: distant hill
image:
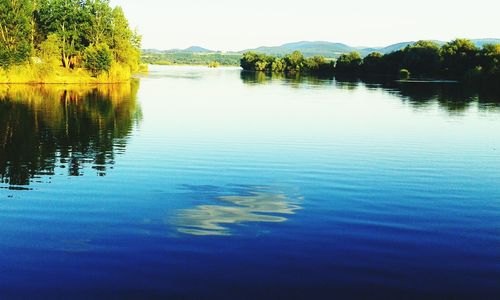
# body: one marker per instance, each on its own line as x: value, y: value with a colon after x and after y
x: 329, y: 49
x: 393, y: 47
x: 198, y: 49
x: 192, y: 49
x: 326, y: 49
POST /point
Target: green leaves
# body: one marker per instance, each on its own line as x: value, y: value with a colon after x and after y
x: 15, y: 29
x: 69, y: 31
x: 349, y: 63
x: 459, y: 57
x: 98, y: 59
x: 293, y: 63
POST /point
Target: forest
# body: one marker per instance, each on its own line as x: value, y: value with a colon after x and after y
x: 458, y: 60
x: 66, y: 40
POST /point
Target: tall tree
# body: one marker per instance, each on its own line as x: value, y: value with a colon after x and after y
x: 101, y: 20
x: 125, y: 43
x: 490, y: 60
x: 15, y: 31
x: 294, y: 62
x: 66, y: 18
x: 422, y: 58
x: 459, y: 57
x: 349, y: 63
x: 372, y: 63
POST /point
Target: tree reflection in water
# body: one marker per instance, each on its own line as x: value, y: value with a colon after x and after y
x: 454, y: 98
x: 45, y: 127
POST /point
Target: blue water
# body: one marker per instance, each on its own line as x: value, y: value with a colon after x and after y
x: 196, y: 183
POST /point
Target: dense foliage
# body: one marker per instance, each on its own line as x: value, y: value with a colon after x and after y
x: 459, y: 59
x: 15, y: 30
x: 97, y: 58
x: 69, y: 33
x: 291, y: 63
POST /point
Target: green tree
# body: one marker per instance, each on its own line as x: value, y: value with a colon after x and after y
x: 294, y: 62
x: 99, y: 30
x: 248, y: 61
x: 404, y: 74
x: 372, y: 63
x: 490, y: 60
x: 69, y: 20
x: 422, y: 58
x: 50, y: 49
x: 459, y: 57
x: 15, y: 31
x: 278, y: 65
x: 261, y: 65
x: 121, y: 38
x: 349, y: 63
x: 252, y: 61
x: 318, y: 65
x: 98, y: 59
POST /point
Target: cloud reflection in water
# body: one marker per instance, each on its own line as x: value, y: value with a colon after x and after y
x: 258, y: 206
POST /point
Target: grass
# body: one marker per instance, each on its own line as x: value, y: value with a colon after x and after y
x: 51, y: 74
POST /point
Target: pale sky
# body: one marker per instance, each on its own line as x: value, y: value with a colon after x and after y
x: 237, y: 24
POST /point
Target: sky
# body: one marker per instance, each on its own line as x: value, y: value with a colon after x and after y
x: 228, y: 25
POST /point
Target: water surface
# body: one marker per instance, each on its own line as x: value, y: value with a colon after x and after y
x: 202, y: 183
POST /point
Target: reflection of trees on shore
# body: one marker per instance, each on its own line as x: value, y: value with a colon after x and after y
x: 294, y: 80
x: 452, y: 97
x: 47, y: 127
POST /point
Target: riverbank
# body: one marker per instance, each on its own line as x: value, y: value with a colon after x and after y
x: 165, y: 63
x: 49, y: 74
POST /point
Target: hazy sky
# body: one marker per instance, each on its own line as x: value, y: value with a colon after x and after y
x: 238, y: 24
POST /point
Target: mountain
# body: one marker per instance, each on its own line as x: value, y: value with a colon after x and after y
x: 392, y: 48
x: 192, y: 50
x: 197, y: 49
x: 329, y: 49
x: 326, y: 49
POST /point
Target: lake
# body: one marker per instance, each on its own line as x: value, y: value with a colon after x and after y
x: 198, y: 183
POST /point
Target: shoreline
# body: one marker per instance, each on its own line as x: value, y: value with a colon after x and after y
x: 66, y: 83
x: 45, y: 74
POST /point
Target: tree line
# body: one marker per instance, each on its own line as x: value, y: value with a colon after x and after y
x: 459, y: 59
x: 68, y: 33
x: 290, y: 64
x: 188, y: 58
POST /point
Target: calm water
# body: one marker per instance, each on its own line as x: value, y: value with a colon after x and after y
x: 197, y: 183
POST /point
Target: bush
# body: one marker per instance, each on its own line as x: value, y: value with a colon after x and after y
x: 50, y: 50
x: 213, y: 64
x: 97, y: 59
x: 404, y: 74
x: 349, y: 63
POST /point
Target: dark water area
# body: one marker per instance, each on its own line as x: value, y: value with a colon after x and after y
x: 196, y: 183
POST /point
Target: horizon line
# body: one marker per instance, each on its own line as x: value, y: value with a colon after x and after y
x: 313, y: 41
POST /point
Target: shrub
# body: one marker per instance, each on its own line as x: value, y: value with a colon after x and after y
x: 97, y: 59
x: 404, y: 74
x: 213, y: 64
